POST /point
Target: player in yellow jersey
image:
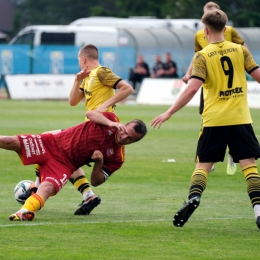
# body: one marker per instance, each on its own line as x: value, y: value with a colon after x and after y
x: 97, y: 84
x: 226, y: 120
x: 201, y: 42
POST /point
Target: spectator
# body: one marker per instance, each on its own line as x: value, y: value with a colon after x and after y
x: 170, y: 67
x: 140, y: 71
x: 158, y: 68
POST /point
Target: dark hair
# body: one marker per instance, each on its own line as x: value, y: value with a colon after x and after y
x: 139, y: 127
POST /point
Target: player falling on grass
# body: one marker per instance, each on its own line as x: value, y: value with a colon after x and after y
x: 201, y: 42
x: 97, y: 84
x: 226, y: 118
x: 101, y: 140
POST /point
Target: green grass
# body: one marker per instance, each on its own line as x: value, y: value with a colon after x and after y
x: 134, y: 219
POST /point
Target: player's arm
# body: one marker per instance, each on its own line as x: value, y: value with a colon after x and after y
x: 110, y: 119
x: 76, y: 93
x: 256, y: 75
x: 251, y: 66
x: 244, y: 44
x: 186, y: 77
x: 197, y: 46
x: 97, y: 176
x: 188, y: 93
x: 193, y: 86
x: 123, y: 91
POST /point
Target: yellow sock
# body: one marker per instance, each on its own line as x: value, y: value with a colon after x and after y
x: 34, y: 203
x: 198, y: 182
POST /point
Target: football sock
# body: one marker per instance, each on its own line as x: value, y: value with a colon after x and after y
x: 34, y: 203
x: 230, y: 160
x: 253, y: 183
x: 37, y: 169
x: 198, y: 183
x: 257, y: 210
x: 82, y: 185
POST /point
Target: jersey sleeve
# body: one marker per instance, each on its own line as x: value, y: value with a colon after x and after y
x: 111, y: 116
x: 196, y: 43
x: 236, y: 38
x: 250, y: 64
x: 199, y: 70
x: 113, y: 165
x: 81, y: 87
x: 107, y: 77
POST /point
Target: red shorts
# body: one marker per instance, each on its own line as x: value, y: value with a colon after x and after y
x: 42, y: 149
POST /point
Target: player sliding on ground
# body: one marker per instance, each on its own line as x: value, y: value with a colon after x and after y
x: 100, y: 140
x: 226, y: 119
x: 101, y: 89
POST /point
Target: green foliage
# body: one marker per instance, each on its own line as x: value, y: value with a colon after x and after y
x: 242, y: 13
x: 134, y: 219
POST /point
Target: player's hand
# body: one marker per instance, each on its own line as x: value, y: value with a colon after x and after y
x: 83, y: 73
x: 97, y: 156
x: 186, y: 78
x: 157, y: 121
x: 118, y: 126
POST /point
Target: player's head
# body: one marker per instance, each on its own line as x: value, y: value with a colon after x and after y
x: 87, y: 53
x: 135, y: 131
x: 158, y: 58
x: 210, y: 6
x: 215, y: 20
x: 140, y: 59
x: 168, y: 56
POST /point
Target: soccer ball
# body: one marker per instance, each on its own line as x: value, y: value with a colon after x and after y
x: 20, y: 189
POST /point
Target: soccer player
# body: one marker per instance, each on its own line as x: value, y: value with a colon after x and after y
x: 101, y: 140
x: 201, y: 42
x: 97, y: 84
x: 226, y: 120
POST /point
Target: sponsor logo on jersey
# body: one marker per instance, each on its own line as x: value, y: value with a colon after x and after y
x: 110, y: 132
x: 110, y: 151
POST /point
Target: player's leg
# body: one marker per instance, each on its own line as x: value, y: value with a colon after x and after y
x: 211, y: 148
x: 252, y: 177
x: 33, y: 187
x: 231, y: 166
x: 34, y: 203
x: 80, y: 182
x: 90, y: 200
x: 245, y: 145
x: 10, y: 143
x: 197, y: 186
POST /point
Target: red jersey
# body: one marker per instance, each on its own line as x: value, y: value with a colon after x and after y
x: 78, y: 143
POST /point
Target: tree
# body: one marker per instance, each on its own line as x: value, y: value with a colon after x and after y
x: 242, y: 13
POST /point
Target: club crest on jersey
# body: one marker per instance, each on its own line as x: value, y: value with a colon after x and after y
x: 110, y: 151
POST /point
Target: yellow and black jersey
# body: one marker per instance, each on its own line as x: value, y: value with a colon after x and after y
x: 221, y: 66
x: 98, y: 87
x: 230, y: 35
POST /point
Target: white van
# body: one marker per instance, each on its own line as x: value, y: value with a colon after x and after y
x: 67, y: 35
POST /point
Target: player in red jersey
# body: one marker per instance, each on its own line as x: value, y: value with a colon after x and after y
x: 100, y: 140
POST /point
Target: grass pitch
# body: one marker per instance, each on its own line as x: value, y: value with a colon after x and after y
x: 134, y: 219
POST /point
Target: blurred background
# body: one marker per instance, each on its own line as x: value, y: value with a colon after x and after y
x: 44, y: 36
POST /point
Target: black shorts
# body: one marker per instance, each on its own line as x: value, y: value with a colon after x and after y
x: 240, y: 139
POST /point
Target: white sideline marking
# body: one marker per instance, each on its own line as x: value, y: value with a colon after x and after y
x: 17, y: 223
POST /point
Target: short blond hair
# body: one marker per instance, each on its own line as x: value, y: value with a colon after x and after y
x: 90, y: 50
x: 215, y: 19
x: 211, y: 6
